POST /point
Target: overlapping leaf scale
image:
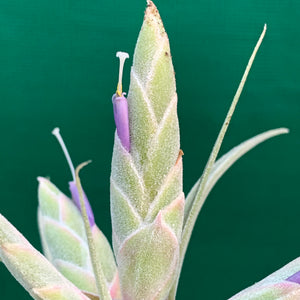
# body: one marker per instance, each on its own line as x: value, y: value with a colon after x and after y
x: 127, y: 178
x: 34, y: 272
x: 170, y: 189
x: 148, y: 260
x: 161, y: 81
x: 64, y: 239
x: 63, y: 244
x: 85, y: 281
x: 163, y: 153
x: 144, y: 125
x: 121, y: 207
x: 148, y: 43
x: 173, y: 215
x: 153, y: 71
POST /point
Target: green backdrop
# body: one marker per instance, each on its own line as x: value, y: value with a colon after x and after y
x: 58, y: 68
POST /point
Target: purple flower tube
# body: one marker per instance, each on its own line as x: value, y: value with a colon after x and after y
x: 75, y: 196
x: 120, y: 107
x: 294, y: 278
x: 72, y: 184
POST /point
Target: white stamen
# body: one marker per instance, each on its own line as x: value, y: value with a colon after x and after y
x: 122, y: 56
x: 56, y: 133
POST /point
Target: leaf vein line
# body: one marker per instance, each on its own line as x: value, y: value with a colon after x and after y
x: 127, y: 199
x: 146, y: 99
x: 67, y: 228
x: 155, y: 60
x: 162, y: 123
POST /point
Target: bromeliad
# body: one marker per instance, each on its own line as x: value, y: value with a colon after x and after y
x: 152, y: 220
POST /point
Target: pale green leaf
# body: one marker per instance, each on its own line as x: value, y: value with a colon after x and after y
x: 120, y: 208
x: 146, y: 182
x: 275, y: 286
x: 224, y: 163
x: 163, y: 151
x: 151, y: 91
x: 195, y: 208
x: 127, y: 178
x: 32, y: 269
x: 64, y: 239
x: 173, y: 215
x: 82, y: 278
x: 171, y: 188
x: 148, y: 259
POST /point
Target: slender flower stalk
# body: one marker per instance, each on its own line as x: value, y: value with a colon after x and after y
x: 120, y: 106
x: 72, y: 184
x: 64, y: 239
x: 103, y: 291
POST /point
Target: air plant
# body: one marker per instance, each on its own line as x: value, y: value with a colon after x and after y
x: 152, y: 220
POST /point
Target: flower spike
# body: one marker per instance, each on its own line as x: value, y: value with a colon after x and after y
x: 72, y: 184
x: 120, y: 107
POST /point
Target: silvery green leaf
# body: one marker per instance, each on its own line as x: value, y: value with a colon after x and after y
x: 146, y: 182
x: 224, y: 163
x: 34, y: 272
x: 64, y: 240
x: 283, y: 284
x: 149, y: 255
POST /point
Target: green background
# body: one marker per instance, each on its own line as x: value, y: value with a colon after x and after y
x: 58, y: 68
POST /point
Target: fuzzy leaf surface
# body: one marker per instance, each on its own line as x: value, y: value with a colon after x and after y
x: 275, y: 286
x: 146, y: 183
x: 64, y: 240
x: 33, y: 271
x: 149, y: 255
x: 224, y: 163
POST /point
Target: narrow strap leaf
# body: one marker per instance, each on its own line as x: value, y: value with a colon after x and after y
x: 223, y: 164
x: 191, y: 219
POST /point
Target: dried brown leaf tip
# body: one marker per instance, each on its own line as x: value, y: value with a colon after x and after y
x: 180, y: 154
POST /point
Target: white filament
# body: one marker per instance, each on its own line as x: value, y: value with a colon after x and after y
x: 56, y: 133
x: 122, y: 56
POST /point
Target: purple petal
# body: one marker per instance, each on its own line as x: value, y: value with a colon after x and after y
x: 294, y: 278
x: 120, y: 106
x: 76, y: 199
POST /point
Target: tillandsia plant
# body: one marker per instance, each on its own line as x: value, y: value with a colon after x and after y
x: 152, y: 220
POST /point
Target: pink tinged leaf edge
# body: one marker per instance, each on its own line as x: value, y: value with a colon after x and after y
x: 130, y: 252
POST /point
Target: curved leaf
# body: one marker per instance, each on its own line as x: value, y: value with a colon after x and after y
x: 34, y: 272
x: 278, y: 285
x: 224, y: 163
x: 64, y: 239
